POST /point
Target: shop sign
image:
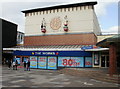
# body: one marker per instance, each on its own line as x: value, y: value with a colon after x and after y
x: 33, y: 62
x: 42, y: 61
x: 86, y: 47
x: 70, y: 61
x: 44, y: 53
x: 88, y: 61
x: 53, y: 53
x: 52, y: 63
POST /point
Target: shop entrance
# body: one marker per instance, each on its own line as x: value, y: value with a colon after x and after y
x: 105, y: 61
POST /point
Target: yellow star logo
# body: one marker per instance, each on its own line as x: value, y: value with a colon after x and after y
x: 32, y: 53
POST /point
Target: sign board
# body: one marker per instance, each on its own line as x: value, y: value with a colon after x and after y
x: 33, y: 62
x: 53, y: 53
x: 42, y: 61
x: 52, y: 63
x: 88, y: 61
x: 70, y: 61
x: 87, y: 47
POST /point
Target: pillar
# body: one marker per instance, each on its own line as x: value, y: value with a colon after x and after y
x: 112, y: 59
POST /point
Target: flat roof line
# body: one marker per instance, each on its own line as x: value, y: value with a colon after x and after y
x: 60, y: 6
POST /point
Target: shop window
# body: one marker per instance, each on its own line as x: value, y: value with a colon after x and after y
x: 96, y: 58
x: 88, y: 61
x: 70, y: 61
x: 33, y: 61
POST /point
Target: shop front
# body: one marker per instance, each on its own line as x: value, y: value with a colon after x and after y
x: 55, y: 59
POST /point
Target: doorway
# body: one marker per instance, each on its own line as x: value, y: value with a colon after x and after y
x: 105, y: 61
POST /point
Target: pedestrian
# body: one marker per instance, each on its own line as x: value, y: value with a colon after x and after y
x: 24, y: 65
x: 28, y: 65
x: 9, y: 64
x: 16, y: 64
x: 13, y: 65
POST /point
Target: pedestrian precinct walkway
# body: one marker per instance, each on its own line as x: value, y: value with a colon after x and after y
x: 47, y: 78
x: 100, y: 74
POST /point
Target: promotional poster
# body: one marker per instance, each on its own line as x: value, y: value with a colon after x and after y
x: 33, y: 62
x: 42, y: 61
x: 70, y: 61
x: 52, y: 62
x: 88, y: 61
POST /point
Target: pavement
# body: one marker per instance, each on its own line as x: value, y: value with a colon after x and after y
x: 100, y: 74
x: 47, y: 78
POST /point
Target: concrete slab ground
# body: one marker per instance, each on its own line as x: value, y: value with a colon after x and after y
x: 47, y: 78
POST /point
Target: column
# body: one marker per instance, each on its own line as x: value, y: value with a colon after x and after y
x: 112, y: 59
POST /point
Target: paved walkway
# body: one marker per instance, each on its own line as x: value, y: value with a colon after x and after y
x: 47, y: 78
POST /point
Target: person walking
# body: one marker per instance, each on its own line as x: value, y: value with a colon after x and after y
x: 9, y: 64
x: 24, y: 65
x: 28, y: 65
x: 16, y: 64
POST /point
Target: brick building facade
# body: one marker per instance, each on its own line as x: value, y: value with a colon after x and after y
x: 67, y: 31
x: 67, y: 39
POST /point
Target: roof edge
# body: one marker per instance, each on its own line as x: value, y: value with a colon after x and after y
x: 60, y: 6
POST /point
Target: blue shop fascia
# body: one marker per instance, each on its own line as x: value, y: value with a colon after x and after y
x: 57, y: 59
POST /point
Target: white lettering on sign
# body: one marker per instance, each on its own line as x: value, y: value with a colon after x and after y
x: 38, y: 53
x: 43, y: 53
x: 48, y: 53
